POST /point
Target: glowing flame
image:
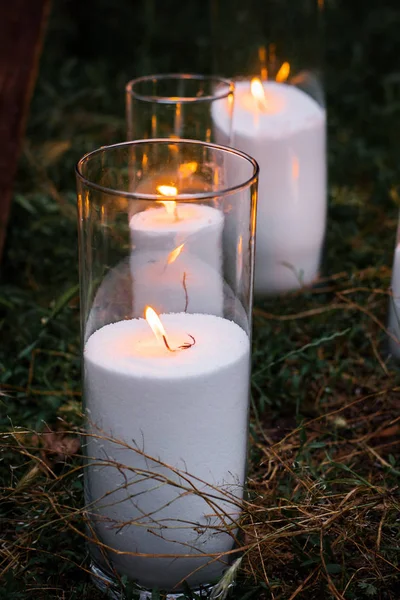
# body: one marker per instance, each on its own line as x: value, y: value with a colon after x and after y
x: 262, y: 56
x: 240, y: 257
x: 283, y: 73
x: 170, y: 206
x: 167, y: 190
x: 171, y: 191
x: 295, y: 168
x: 187, y: 169
x: 172, y: 256
x: 158, y: 329
x: 156, y: 326
x: 257, y: 91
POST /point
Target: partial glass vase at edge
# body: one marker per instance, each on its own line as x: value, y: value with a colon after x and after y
x: 273, y: 51
x: 394, y: 302
x: 166, y: 301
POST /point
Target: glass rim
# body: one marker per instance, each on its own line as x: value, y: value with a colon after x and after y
x: 156, y: 197
x: 180, y: 99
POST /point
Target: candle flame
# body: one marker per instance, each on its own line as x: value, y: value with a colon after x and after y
x: 170, y: 206
x: 167, y: 190
x: 171, y: 191
x: 172, y: 256
x: 153, y: 126
x: 187, y: 169
x: 283, y: 73
x: 239, y: 258
x: 262, y: 56
x: 257, y: 91
x: 156, y: 326
x: 295, y: 168
x: 158, y: 329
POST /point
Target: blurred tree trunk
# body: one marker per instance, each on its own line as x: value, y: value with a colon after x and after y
x: 22, y: 25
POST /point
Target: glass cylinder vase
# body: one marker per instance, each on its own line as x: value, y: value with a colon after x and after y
x: 178, y: 106
x: 394, y: 302
x: 273, y: 50
x: 166, y: 303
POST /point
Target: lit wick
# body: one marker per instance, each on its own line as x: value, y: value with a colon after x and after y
x: 170, y: 205
x: 158, y: 329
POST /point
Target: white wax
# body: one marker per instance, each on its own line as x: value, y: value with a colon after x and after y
x: 199, y: 227
x: 187, y: 408
x: 188, y: 284
x: 394, y: 306
x: 287, y: 137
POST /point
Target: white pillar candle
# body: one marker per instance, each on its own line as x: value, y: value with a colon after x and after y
x: 198, y: 227
x: 175, y: 282
x: 285, y: 133
x: 394, y: 306
x: 187, y: 408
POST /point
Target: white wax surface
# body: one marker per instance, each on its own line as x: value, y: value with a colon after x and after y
x: 287, y: 138
x: 199, y: 227
x: 394, y: 305
x: 188, y: 408
x: 186, y: 285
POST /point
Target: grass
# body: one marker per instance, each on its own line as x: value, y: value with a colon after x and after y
x: 321, y: 520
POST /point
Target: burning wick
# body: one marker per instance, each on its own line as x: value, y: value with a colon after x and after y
x: 158, y: 329
x: 258, y: 93
x: 170, y: 205
x: 283, y: 73
x: 257, y: 88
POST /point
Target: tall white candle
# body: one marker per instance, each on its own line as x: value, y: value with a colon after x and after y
x: 285, y: 133
x: 394, y: 306
x: 187, y: 408
x: 175, y: 282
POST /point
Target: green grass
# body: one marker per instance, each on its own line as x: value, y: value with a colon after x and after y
x: 322, y: 517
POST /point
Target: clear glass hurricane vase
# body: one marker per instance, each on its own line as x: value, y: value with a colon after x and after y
x: 166, y: 323
x: 178, y: 106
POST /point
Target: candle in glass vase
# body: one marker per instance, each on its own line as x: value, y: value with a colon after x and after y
x: 283, y: 128
x: 180, y: 396
x: 176, y: 255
